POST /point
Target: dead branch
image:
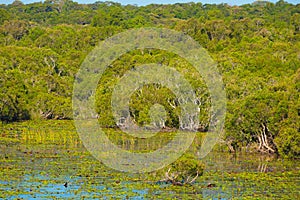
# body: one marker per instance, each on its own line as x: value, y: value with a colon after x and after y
x: 194, y: 179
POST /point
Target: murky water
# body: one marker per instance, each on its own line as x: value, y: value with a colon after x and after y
x: 54, y: 164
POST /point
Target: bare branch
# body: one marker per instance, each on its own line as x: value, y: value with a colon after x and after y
x: 194, y: 179
x: 168, y: 176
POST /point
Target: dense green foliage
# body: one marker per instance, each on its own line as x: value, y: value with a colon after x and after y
x: 257, y: 47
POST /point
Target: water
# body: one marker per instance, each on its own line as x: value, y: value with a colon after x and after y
x: 37, y: 164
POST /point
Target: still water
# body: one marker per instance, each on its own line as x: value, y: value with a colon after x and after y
x: 46, y: 162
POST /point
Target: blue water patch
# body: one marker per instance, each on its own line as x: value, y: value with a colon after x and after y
x: 215, y: 194
x: 137, y: 198
x: 4, y: 182
x: 141, y: 192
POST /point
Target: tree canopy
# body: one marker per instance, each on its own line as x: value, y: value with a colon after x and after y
x: 257, y: 48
